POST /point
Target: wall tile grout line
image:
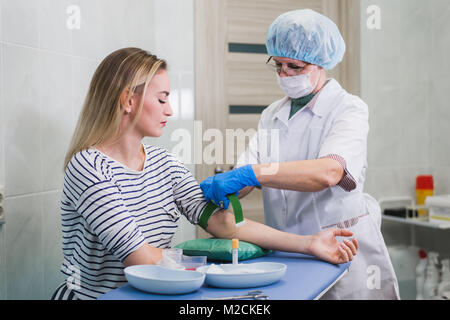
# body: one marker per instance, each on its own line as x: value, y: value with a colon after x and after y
x: 41, y: 50
x: 32, y: 194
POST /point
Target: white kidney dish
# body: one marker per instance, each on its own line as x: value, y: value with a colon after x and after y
x: 246, y: 275
x: 160, y: 280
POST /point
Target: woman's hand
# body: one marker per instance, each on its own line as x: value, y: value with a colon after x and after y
x: 325, y: 246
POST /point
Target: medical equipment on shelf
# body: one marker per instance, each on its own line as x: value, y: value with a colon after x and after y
x: 444, y: 285
x: 420, y: 274
x: 432, y: 277
x: 439, y: 208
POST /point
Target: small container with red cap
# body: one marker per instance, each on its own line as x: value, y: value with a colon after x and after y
x: 424, y: 188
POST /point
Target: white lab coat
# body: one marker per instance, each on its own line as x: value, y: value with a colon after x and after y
x: 334, y: 122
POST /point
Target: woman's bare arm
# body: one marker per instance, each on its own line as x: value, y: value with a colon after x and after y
x: 323, y: 244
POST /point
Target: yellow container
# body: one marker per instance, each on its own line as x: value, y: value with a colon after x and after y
x: 421, y: 194
x: 424, y: 188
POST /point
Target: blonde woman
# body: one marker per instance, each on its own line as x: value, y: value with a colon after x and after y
x: 121, y: 199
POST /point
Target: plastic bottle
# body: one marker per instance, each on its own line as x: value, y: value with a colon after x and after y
x: 430, y: 286
x: 445, y: 278
x: 424, y: 188
x: 420, y: 274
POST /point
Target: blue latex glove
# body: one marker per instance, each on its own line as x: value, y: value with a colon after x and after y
x: 216, y: 188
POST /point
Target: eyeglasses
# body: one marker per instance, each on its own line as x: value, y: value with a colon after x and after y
x: 291, y: 69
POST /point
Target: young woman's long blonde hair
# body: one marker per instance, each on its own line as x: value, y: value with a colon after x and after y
x: 128, y: 69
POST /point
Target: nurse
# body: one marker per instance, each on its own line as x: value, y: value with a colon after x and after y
x: 309, y: 155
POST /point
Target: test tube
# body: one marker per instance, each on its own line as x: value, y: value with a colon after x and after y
x: 235, y: 246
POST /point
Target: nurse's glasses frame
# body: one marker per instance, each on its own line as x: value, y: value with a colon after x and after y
x: 291, y: 69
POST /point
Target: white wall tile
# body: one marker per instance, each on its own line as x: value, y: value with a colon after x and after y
x: 380, y: 83
x: 51, y: 242
x: 2, y: 122
x: 135, y: 23
x: 23, y: 159
x: 440, y: 84
x: 440, y: 27
x: 19, y: 22
x: 24, y: 256
x: 57, y: 115
x: 413, y: 122
x: 3, y: 287
x: 54, y: 34
x: 384, y: 133
x: 407, y: 133
x: 89, y: 41
x: 1, y: 24
x: 107, y: 25
x: 391, y: 182
x: 82, y: 72
x: 441, y: 177
x: 440, y: 144
x: 414, y: 25
x: 174, y: 41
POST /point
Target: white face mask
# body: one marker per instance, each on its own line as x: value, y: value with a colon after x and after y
x: 297, y: 86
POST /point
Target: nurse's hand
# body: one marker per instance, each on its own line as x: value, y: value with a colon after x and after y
x: 325, y: 246
x: 216, y: 188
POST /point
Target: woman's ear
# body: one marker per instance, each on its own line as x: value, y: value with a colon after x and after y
x: 127, y: 105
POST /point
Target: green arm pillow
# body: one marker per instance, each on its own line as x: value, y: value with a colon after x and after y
x: 220, y: 249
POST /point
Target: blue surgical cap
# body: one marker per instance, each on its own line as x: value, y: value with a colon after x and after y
x: 307, y: 36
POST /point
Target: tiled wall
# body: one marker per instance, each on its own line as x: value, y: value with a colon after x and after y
x: 405, y: 82
x: 45, y: 72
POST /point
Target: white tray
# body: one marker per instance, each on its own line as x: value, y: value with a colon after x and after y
x: 265, y: 273
x: 160, y: 280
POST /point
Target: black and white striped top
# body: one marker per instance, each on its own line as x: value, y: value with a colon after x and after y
x: 109, y: 210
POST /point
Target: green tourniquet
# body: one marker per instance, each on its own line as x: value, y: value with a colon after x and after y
x: 206, y: 214
x: 298, y: 104
x: 237, y: 209
x: 210, y: 207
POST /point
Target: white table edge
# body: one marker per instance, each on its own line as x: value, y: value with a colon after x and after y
x: 331, y: 285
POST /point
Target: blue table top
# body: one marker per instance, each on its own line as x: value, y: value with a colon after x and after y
x: 306, y: 278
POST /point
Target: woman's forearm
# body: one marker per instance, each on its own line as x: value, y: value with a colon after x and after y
x: 222, y: 225
x: 273, y: 239
x: 305, y: 175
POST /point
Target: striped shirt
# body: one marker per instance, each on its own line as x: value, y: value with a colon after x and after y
x: 109, y: 211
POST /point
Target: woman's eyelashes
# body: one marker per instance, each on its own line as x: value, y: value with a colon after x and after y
x: 161, y: 101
